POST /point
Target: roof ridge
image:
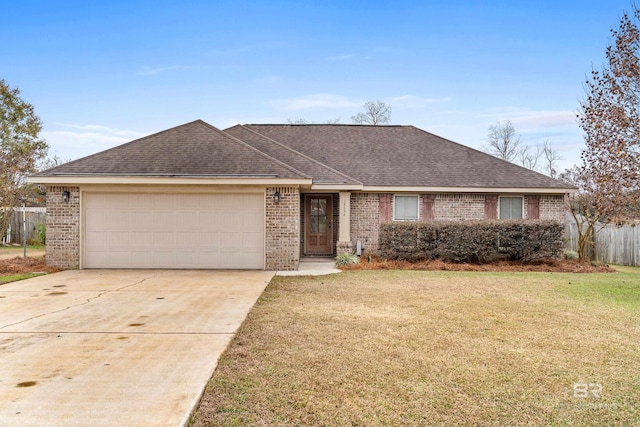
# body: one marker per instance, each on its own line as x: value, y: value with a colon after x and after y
x: 299, y: 153
x: 325, y: 124
x: 122, y: 145
x: 265, y: 155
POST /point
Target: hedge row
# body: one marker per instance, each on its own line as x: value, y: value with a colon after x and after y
x: 472, y: 241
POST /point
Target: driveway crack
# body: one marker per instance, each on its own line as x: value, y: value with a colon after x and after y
x: 87, y: 301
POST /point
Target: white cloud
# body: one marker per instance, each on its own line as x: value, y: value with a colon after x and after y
x: 72, y: 141
x: 320, y: 100
x: 535, y: 119
x: 543, y: 119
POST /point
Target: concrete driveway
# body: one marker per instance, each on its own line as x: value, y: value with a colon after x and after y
x: 125, y: 348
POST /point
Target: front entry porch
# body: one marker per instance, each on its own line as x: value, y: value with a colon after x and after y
x: 324, y: 224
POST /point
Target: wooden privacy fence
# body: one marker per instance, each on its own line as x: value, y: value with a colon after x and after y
x: 613, y: 244
x: 33, y: 216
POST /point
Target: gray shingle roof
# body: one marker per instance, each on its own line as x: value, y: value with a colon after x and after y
x: 399, y: 156
x: 192, y: 149
x: 321, y: 173
x: 403, y: 156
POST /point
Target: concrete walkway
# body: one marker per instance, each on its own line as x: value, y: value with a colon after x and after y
x: 313, y: 267
x: 116, y: 348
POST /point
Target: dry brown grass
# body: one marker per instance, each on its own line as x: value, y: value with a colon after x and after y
x: 433, y: 348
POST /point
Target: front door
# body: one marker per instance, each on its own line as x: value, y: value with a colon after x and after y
x: 318, y: 215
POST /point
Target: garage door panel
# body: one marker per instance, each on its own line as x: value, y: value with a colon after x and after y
x: 115, y: 259
x: 252, y: 222
x: 252, y: 241
x: 164, y: 239
x: 162, y: 220
x: 152, y: 201
x: 141, y: 239
x: 95, y: 218
x: 118, y: 240
x: 187, y: 240
x: 208, y: 241
x: 140, y: 220
x: 156, y: 230
x: 96, y: 239
x: 189, y: 221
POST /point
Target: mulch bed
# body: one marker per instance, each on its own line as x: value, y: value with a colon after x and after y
x: 20, y: 265
x: 558, y: 266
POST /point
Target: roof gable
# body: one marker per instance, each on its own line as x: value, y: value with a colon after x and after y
x: 193, y: 149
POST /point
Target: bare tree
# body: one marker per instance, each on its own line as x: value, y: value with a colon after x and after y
x: 529, y: 157
x: 504, y: 143
x: 376, y: 113
x: 550, y: 158
x: 584, y: 207
x: 610, y: 119
x: 297, y: 121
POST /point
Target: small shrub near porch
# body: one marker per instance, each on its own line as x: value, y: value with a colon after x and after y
x: 472, y: 241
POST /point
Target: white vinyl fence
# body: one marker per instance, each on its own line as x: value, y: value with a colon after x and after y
x: 613, y: 244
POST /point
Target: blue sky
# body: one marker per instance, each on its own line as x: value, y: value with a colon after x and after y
x: 103, y: 73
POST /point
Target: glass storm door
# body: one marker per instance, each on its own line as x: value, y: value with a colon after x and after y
x: 318, y: 225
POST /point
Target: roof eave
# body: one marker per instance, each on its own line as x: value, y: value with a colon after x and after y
x: 166, y: 180
x: 510, y: 190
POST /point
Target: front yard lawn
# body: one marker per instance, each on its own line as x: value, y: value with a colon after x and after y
x: 7, y: 278
x: 416, y: 348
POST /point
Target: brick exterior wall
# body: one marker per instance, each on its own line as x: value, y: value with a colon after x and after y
x: 63, y: 228
x: 458, y: 207
x: 282, y: 238
x: 344, y: 248
x: 365, y: 208
x: 365, y: 223
x: 552, y: 207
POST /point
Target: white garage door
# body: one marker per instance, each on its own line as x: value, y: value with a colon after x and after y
x: 141, y: 230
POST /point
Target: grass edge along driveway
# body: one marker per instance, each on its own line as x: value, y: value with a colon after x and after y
x: 434, y: 348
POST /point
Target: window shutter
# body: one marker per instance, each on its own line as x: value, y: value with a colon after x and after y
x: 533, y: 207
x: 427, y: 207
x: 490, y: 206
x: 384, y: 214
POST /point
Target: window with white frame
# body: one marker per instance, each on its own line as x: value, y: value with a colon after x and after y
x: 405, y: 208
x: 511, y: 207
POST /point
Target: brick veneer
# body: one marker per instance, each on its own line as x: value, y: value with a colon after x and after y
x: 457, y: 207
x: 63, y: 228
x: 282, y: 239
x: 365, y: 212
x: 365, y: 221
x: 552, y: 207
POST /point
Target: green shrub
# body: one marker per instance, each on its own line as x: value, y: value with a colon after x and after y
x: 347, y: 259
x: 472, y: 241
x: 40, y: 235
x: 570, y: 254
